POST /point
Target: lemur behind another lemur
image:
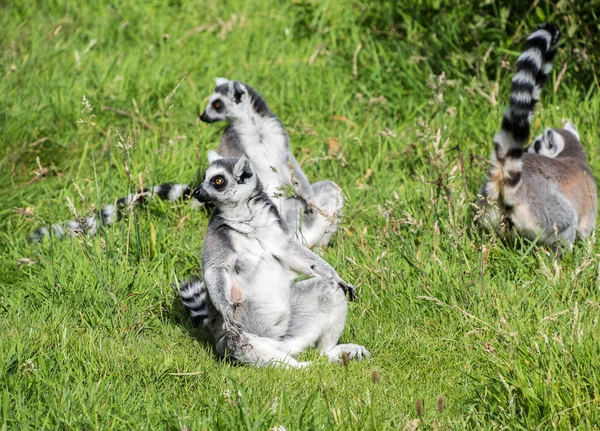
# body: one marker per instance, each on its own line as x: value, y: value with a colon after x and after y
x: 256, y: 132
x: 563, y: 142
x: 551, y: 198
x: 256, y: 312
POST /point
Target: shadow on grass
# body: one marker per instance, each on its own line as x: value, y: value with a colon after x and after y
x: 180, y: 316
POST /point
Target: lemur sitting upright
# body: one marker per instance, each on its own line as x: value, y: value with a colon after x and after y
x: 249, y: 300
x: 256, y: 132
x: 551, y: 195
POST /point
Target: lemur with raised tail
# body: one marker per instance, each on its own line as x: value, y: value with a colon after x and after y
x: 550, y: 195
x: 255, y: 131
x: 249, y: 299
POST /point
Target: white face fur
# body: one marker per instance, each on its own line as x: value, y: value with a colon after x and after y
x: 551, y: 143
x: 229, y: 101
x: 227, y: 181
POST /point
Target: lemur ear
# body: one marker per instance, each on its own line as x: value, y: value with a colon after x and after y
x: 571, y: 128
x: 212, y: 156
x: 239, y: 90
x: 549, y: 134
x: 221, y: 81
x: 242, y: 170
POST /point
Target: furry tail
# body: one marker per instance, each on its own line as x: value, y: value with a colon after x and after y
x: 195, y: 299
x: 111, y: 213
x: 533, y: 68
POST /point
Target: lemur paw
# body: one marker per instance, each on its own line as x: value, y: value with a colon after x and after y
x: 309, y: 210
x: 348, y: 290
x: 354, y: 351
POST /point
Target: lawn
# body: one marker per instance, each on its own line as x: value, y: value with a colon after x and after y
x: 98, y: 98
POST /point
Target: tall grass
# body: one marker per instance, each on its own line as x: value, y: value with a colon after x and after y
x: 397, y: 104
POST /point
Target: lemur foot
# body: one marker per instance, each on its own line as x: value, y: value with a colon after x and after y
x: 354, y: 351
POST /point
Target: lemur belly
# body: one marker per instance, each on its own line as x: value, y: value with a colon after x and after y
x: 263, y: 278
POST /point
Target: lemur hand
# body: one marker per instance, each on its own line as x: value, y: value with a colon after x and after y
x: 309, y: 210
x: 349, y: 290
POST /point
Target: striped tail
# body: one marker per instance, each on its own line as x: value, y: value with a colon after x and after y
x: 533, y: 68
x: 112, y: 213
x: 194, y: 296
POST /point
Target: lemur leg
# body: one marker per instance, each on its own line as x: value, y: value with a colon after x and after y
x: 559, y: 220
x: 318, y: 317
x: 242, y: 346
x: 254, y: 350
x: 488, y: 213
x: 315, y: 228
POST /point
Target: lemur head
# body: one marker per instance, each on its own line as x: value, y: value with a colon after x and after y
x: 233, y: 100
x: 227, y: 182
x: 553, y: 142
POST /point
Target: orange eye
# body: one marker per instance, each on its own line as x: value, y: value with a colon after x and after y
x: 217, y: 105
x: 219, y: 181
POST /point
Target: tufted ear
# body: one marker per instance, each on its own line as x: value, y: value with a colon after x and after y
x: 239, y: 91
x: 221, y: 81
x: 571, y: 128
x: 242, y: 170
x: 212, y: 156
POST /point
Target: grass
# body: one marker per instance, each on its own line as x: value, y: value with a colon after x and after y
x: 93, y: 335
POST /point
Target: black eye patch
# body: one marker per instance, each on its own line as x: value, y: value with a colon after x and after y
x: 218, y: 182
x: 218, y: 105
x: 536, y: 146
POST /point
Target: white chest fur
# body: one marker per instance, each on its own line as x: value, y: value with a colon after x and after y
x: 264, y: 278
x: 265, y: 142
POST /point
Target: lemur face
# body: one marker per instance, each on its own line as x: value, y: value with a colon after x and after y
x: 228, y: 181
x: 229, y: 101
x: 551, y: 143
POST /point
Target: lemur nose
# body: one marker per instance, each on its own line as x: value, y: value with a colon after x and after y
x: 201, y: 195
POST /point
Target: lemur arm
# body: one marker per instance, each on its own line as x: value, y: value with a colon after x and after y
x: 218, y: 257
x: 219, y: 286
x: 304, y: 261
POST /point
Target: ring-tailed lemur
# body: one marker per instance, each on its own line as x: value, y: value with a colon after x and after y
x: 552, y: 198
x: 111, y: 213
x: 563, y: 142
x: 256, y: 132
x: 249, y: 300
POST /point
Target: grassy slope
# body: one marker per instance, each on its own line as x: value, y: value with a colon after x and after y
x: 93, y: 332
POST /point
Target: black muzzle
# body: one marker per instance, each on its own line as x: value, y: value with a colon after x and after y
x: 202, y: 196
x: 206, y: 119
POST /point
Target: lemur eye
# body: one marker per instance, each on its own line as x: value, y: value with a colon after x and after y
x: 218, y: 182
x: 217, y: 104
